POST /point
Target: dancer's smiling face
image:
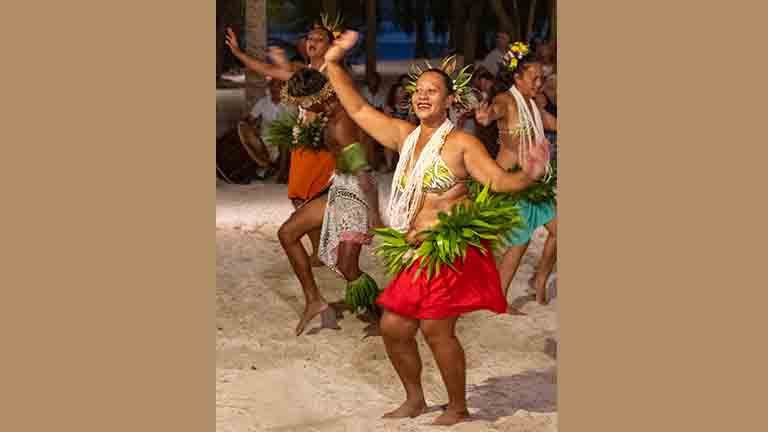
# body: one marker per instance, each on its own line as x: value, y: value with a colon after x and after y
x: 318, y: 43
x: 529, y: 80
x: 433, y: 96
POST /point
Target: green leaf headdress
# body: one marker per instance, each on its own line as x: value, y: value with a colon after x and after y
x: 465, y: 96
x: 334, y: 26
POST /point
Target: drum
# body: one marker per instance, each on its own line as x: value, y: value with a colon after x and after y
x: 237, y: 162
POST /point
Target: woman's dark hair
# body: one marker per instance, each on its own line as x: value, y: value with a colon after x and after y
x: 505, y: 79
x: 486, y: 75
x: 391, y: 94
x: 305, y: 82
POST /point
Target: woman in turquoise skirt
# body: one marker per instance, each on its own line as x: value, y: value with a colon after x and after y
x: 520, y: 123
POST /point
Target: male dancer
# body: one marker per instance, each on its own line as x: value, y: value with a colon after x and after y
x: 310, y: 171
x: 343, y: 211
x: 346, y: 215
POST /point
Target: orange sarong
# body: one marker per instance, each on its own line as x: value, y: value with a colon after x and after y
x: 310, y: 173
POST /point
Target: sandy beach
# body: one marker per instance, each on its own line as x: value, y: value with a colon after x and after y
x: 267, y: 379
x: 340, y: 380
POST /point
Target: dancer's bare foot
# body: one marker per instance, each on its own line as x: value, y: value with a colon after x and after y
x: 450, y: 417
x: 408, y: 409
x: 311, y: 310
x: 328, y: 320
x: 540, y: 290
x: 315, y: 261
x: 541, y: 297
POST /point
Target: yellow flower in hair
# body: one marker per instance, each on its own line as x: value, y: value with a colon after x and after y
x: 512, y: 63
x: 519, y: 48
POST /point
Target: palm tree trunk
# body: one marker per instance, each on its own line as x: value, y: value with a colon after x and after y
x: 458, y: 20
x: 553, y: 21
x: 370, y: 38
x: 505, y: 23
x: 256, y: 44
x: 470, y: 42
x: 517, y: 35
x: 531, y: 20
x: 420, y: 50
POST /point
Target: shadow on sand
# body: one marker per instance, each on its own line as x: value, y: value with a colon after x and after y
x: 497, y: 397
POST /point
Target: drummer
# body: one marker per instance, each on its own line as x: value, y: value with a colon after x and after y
x: 269, y: 108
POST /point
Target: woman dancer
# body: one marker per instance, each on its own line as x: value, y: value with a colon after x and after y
x: 520, y: 122
x: 435, y: 162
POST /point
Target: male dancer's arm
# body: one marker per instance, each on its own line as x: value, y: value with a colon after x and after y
x: 251, y: 63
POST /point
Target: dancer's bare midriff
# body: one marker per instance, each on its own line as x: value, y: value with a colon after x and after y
x: 433, y: 204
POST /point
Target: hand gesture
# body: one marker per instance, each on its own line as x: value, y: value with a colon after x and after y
x: 483, y: 113
x: 231, y: 41
x: 536, y: 160
x: 345, y: 42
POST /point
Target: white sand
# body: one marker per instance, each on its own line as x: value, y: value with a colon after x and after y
x: 269, y: 380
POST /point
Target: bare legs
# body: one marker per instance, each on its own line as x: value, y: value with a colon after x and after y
x: 546, y: 264
x: 303, y: 221
x: 399, y: 334
x: 511, y: 261
x: 314, y: 237
x: 349, y: 260
x: 449, y: 355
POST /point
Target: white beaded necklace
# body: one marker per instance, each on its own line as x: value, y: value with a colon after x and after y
x: 528, y: 123
x: 405, y: 203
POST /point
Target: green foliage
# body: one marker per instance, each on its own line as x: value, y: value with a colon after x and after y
x: 280, y: 131
x: 361, y: 293
x: 286, y: 132
x: 483, y: 218
x: 540, y: 191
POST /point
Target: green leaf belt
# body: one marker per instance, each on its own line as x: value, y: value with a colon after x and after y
x: 485, y: 217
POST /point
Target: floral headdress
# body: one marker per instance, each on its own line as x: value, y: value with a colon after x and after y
x: 465, y: 96
x: 515, y: 54
x: 307, y: 101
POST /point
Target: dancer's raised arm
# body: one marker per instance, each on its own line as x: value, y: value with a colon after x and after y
x: 251, y: 63
x: 388, y: 131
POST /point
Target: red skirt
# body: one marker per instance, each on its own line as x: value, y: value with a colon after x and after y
x: 474, y: 285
